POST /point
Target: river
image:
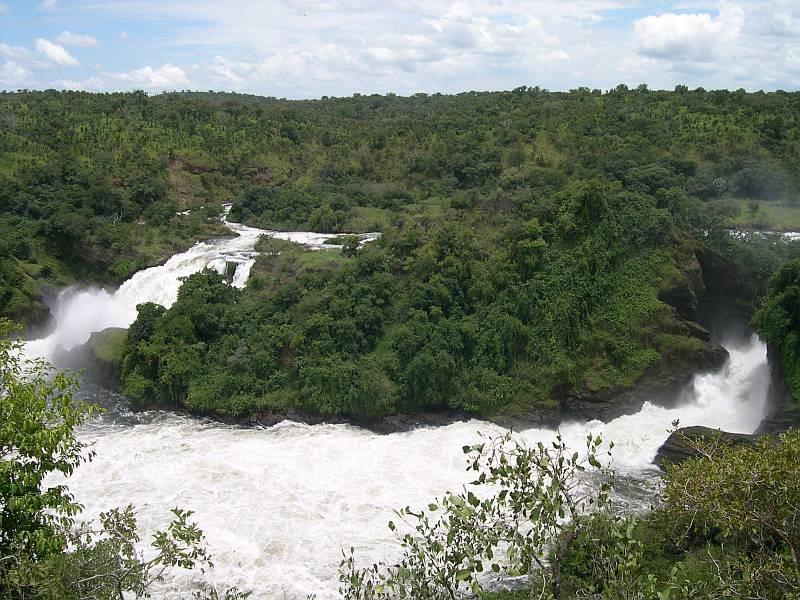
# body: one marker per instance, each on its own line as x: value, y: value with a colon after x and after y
x: 277, y: 505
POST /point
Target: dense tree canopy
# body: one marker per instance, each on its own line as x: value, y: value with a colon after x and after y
x: 527, y: 234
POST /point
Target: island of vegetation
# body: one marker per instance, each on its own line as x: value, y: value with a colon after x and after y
x: 542, y: 254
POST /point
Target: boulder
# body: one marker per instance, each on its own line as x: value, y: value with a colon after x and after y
x: 676, y: 449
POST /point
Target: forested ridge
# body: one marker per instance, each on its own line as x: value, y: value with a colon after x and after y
x: 535, y: 244
x: 529, y: 236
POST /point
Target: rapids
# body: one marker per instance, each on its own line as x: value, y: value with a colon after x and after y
x: 278, y: 505
x: 80, y: 311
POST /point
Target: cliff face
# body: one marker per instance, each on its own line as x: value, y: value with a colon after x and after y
x: 784, y: 413
x: 708, y: 299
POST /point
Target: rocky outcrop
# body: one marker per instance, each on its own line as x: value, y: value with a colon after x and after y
x: 679, y: 445
x: 663, y: 383
x: 99, y: 358
x: 728, y: 300
x: 701, y: 287
x: 684, y: 288
x: 782, y: 420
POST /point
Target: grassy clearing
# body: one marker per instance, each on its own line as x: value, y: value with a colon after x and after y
x: 764, y: 215
x: 281, y: 261
x: 364, y: 219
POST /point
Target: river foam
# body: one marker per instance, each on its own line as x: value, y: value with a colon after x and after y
x: 279, y: 504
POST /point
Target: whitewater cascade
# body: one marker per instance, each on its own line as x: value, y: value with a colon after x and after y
x: 277, y: 505
x: 78, y: 312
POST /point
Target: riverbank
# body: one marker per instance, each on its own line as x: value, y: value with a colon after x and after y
x: 661, y: 385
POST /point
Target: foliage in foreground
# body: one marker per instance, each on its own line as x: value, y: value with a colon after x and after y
x: 777, y: 321
x: 43, y: 554
x: 727, y: 527
x: 537, y: 509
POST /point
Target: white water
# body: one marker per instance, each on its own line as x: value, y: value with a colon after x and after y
x: 785, y: 236
x: 80, y: 312
x: 278, y: 504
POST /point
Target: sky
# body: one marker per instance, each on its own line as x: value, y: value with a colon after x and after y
x: 314, y: 48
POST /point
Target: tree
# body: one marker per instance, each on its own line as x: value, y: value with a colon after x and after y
x: 777, y: 321
x: 38, y: 415
x: 542, y: 499
x: 42, y: 553
x: 746, y: 495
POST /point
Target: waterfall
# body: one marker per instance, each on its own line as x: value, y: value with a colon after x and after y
x: 78, y: 311
x: 278, y: 504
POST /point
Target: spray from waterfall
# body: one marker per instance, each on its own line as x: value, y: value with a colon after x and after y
x: 78, y: 312
x: 277, y: 505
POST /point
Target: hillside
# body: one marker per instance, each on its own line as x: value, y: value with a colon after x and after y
x: 532, y: 239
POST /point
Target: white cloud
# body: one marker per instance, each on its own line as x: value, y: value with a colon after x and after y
x: 229, y: 70
x: 3, y: 8
x: 48, y: 5
x: 553, y: 56
x: 693, y: 36
x: 15, y: 52
x: 14, y: 74
x: 55, y: 53
x: 792, y: 61
x: 461, y: 29
x: 123, y: 35
x: 78, y: 40
x: 167, y: 76
x: 784, y: 23
x: 308, y: 48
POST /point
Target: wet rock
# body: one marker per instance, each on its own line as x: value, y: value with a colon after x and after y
x: 782, y: 420
x: 100, y: 357
x: 677, y: 449
x: 663, y: 384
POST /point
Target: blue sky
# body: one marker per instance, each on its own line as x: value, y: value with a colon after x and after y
x: 311, y: 48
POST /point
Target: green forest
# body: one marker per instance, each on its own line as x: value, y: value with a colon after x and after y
x: 535, y: 246
x: 530, y: 238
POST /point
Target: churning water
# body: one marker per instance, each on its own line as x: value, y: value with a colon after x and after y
x: 278, y: 505
x: 80, y: 311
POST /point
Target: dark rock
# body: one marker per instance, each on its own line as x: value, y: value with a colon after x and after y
x: 100, y: 357
x: 722, y: 278
x: 782, y: 420
x: 685, y: 288
x: 728, y: 302
x: 663, y: 384
x: 676, y: 449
